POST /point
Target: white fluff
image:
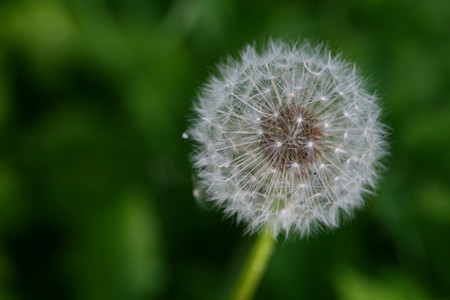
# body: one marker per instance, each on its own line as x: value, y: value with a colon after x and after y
x: 233, y: 169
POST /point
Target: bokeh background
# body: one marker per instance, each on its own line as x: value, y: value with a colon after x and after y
x: 95, y: 182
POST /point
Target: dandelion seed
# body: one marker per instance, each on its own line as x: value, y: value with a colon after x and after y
x: 280, y: 147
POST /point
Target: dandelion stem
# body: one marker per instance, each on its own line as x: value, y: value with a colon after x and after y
x: 255, y: 266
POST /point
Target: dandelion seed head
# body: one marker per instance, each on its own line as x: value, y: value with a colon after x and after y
x: 288, y: 138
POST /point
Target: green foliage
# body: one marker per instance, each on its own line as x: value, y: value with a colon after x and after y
x: 95, y: 183
x: 351, y: 285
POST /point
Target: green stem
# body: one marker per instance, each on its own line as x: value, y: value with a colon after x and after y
x: 255, y: 266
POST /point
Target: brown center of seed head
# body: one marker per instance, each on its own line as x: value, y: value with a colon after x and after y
x: 290, y: 137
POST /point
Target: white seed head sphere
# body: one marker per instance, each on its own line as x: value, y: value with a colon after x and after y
x: 287, y: 138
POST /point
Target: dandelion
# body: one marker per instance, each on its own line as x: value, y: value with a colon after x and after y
x: 288, y: 139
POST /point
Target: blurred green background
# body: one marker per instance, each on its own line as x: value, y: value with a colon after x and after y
x: 95, y: 181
